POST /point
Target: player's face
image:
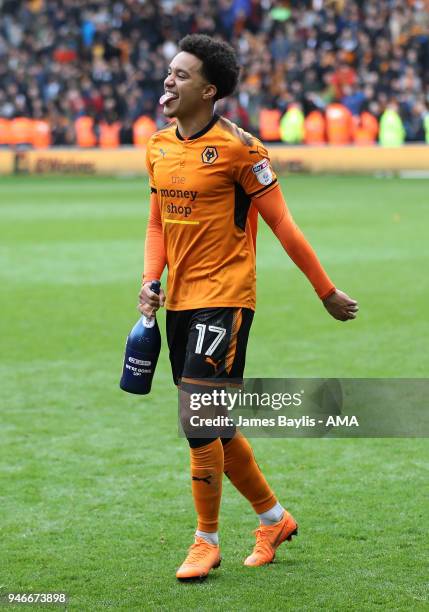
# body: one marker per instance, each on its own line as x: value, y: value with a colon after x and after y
x: 185, y: 87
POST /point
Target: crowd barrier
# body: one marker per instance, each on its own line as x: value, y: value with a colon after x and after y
x: 285, y: 159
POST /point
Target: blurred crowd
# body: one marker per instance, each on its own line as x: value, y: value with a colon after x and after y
x: 63, y: 59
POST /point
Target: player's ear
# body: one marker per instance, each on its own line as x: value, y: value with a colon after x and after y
x: 210, y: 92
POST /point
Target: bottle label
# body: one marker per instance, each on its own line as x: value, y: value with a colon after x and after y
x: 139, y: 362
x: 136, y: 366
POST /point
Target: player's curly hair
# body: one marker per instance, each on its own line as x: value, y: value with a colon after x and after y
x: 220, y: 65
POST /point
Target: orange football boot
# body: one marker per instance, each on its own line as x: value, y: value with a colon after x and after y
x: 202, y: 557
x: 269, y: 538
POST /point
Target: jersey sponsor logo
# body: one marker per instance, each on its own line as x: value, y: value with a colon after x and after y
x: 209, y: 155
x: 179, y: 210
x: 263, y: 172
x: 179, y: 193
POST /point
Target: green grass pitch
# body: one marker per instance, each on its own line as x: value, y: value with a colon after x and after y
x: 95, y: 492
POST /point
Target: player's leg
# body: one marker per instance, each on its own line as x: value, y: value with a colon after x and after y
x: 206, y: 474
x: 206, y: 459
x: 210, y: 354
x: 276, y: 524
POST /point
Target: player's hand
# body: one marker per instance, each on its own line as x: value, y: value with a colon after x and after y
x: 150, y: 302
x: 341, y: 306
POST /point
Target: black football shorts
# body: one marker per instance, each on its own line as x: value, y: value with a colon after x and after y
x: 208, y: 342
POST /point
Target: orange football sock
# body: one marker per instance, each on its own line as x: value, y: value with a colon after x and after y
x: 207, y: 472
x: 244, y: 473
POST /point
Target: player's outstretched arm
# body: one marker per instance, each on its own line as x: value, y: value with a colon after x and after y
x: 155, y: 261
x: 275, y: 213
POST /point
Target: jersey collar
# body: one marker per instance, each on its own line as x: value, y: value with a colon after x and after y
x: 208, y: 127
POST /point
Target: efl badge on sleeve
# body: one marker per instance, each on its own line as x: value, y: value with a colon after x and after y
x: 263, y: 172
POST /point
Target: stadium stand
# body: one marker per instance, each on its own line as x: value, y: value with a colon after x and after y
x: 104, y: 62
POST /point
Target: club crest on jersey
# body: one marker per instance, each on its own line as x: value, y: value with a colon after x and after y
x: 209, y: 155
x: 263, y: 172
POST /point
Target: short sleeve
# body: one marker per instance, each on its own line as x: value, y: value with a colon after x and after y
x: 149, y: 166
x: 253, y: 170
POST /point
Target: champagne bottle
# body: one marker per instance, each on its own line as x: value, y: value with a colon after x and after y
x: 141, y: 353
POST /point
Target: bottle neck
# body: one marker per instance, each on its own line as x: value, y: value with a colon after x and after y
x: 148, y: 322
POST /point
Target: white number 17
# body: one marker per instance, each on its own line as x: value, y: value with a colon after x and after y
x: 220, y: 331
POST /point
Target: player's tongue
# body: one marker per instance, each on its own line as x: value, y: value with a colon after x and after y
x: 167, y: 97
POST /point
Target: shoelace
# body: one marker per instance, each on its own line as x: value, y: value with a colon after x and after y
x: 196, y: 553
x: 262, y: 542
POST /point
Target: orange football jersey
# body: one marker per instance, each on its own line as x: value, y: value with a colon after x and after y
x: 204, y: 186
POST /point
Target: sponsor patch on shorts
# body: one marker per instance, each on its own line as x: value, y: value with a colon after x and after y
x: 263, y: 172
